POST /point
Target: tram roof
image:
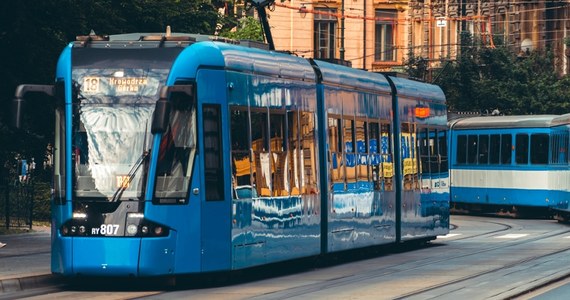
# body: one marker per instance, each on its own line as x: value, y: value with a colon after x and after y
x: 561, y: 120
x: 355, y: 78
x: 418, y: 90
x: 519, y: 121
x: 242, y: 59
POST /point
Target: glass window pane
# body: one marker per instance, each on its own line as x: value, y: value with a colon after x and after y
x: 539, y: 148
x: 506, y: 148
x: 472, y: 149
x: 483, y: 149
x: 494, y: 148
x: 461, y: 149
x: 521, y: 149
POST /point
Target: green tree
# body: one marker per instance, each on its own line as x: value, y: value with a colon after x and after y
x: 33, y: 34
x: 483, y: 79
x: 248, y: 28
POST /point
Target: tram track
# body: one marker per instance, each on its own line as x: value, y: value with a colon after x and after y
x: 340, y: 281
x: 393, y: 270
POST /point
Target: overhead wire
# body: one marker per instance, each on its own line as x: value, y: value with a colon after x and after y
x: 475, y: 20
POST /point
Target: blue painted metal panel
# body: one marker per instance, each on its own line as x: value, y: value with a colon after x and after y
x: 106, y: 256
x: 358, y: 215
x: 61, y: 260
x: 185, y: 220
x: 61, y: 249
x: 157, y: 256
x: 252, y: 78
x: 424, y: 208
x: 216, y: 215
x: 496, y: 196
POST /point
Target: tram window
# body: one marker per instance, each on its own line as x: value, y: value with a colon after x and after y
x: 177, y: 150
x: 521, y: 149
x: 483, y: 149
x: 375, y: 163
x: 241, y: 160
x: 350, y: 157
x: 423, y: 149
x: 308, y: 150
x: 408, y: 156
x: 506, y: 148
x: 433, y: 152
x: 260, y: 152
x: 494, y: 148
x: 213, y: 168
x: 461, y: 149
x: 335, y: 148
x: 555, y: 148
x: 539, y: 148
x: 294, y: 149
x: 361, y: 150
x: 472, y: 149
x: 386, y: 157
x: 563, y: 148
x: 443, y: 162
x: 278, y: 157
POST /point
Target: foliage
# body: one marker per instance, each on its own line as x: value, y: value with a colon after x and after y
x: 33, y: 33
x: 484, y: 79
x: 248, y: 28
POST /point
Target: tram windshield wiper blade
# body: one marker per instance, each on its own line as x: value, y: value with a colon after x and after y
x: 119, y: 192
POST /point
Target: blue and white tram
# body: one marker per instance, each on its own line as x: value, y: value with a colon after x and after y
x: 560, y: 206
x: 245, y: 157
x: 513, y: 164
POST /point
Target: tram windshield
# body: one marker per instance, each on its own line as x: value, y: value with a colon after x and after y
x: 111, y: 131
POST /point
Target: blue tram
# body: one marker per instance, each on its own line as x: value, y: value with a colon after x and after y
x: 560, y: 206
x: 513, y: 164
x: 178, y: 155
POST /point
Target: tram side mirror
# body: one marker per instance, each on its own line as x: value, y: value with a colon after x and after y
x: 19, y: 102
x: 161, y: 115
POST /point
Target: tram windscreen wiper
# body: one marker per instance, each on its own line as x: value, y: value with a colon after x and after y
x: 126, y: 182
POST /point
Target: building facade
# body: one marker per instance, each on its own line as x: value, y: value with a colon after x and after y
x: 381, y: 35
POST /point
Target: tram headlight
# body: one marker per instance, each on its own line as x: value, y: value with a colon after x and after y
x: 132, y: 229
x: 73, y: 229
x: 158, y: 230
x: 144, y: 230
x: 82, y: 229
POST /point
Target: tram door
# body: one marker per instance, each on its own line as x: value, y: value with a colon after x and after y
x: 215, y: 218
x: 212, y: 161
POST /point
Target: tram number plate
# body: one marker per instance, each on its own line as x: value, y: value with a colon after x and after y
x: 106, y: 229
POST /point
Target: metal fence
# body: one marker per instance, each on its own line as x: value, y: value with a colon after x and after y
x: 17, y: 205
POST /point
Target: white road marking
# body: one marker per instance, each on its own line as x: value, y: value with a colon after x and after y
x: 512, y: 236
x: 448, y: 235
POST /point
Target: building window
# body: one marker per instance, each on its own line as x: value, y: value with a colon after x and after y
x: 385, y: 31
x: 325, y: 33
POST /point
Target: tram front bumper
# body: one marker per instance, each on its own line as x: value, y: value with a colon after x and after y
x: 119, y: 256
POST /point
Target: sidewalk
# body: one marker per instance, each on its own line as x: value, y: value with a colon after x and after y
x: 25, y: 259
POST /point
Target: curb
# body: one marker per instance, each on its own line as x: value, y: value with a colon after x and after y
x: 26, y: 283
